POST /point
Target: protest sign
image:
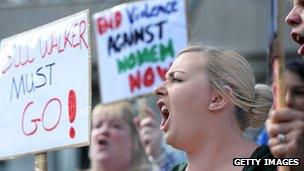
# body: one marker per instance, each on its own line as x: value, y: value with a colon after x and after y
x: 136, y: 44
x: 45, y: 87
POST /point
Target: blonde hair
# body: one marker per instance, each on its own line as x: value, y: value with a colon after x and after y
x: 124, y: 111
x: 228, y: 68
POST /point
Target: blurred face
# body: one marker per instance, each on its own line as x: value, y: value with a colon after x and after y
x: 110, y: 140
x: 183, y: 100
x: 294, y: 91
x: 295, y: 19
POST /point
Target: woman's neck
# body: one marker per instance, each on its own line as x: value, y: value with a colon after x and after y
x: 108, y: 167
x: 218, y: 150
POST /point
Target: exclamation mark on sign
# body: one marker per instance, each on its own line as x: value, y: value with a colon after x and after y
x: 72, y: 111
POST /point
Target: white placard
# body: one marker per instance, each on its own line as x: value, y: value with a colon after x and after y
x: 45, y: 87
x: 136, y: 44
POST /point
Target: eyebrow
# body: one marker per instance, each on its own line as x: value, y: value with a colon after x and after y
x: 293, y: 2
x: 298, y: 87
x: 171, y: 74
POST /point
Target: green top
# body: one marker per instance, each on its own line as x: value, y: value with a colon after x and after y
x: 262, y: 152
x: 180, y: 167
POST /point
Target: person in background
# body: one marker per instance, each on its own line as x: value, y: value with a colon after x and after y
x: 285, y: 127
x: 207, y: 99
x: 115, y: 143
x: 294, y: 85
x: 147, y: 123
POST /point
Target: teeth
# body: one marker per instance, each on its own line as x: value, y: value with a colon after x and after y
x: 102, y: 142
x: 160, y: 105
x: 163, y: 109
x: 298, y: 38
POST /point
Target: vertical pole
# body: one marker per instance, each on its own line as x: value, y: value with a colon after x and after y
x: 188, y: 18
x: 277, y: 59
x: 277, y: 52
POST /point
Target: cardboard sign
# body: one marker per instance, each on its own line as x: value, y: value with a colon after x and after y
x: 45, y: 87
x: 136, y: 45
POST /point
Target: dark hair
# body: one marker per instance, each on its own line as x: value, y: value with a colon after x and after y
x: 296, y: 66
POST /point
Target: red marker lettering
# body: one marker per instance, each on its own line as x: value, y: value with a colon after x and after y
x: 112, y: 22
x: 26, y: 113
x: 72, y: 106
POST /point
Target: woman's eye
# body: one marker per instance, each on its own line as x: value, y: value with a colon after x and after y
x: 301, y: 3
x: 97, y: 125
x: 298, y: 92
x: 117, y: 126
x: 174, y: 79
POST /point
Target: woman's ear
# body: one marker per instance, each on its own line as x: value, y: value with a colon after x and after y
x: 218, y: 100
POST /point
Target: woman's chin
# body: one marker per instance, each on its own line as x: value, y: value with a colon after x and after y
x: 103, y: 157
x: 169, y: 138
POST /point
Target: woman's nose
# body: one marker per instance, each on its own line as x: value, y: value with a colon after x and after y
x: 104, y: 130
x: 160, y: 90
x: 293, y: 18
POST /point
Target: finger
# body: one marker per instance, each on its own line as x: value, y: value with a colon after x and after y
x: 274, y: 129
x: 279, y: 115
x: 268, y: 124
x: 274, y: 142
x: 280, y: 151
x: 285, y: 150
x: 270, y: 114
x: 286, y: 115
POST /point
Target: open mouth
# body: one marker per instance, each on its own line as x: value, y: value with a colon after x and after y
x: 164, y: 115
x: 102, y: 143
x: 146, y: 142
x: 297, y: 38
x: 300, y: 40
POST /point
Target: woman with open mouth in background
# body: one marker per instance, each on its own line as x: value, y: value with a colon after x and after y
x: 115, y: 144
